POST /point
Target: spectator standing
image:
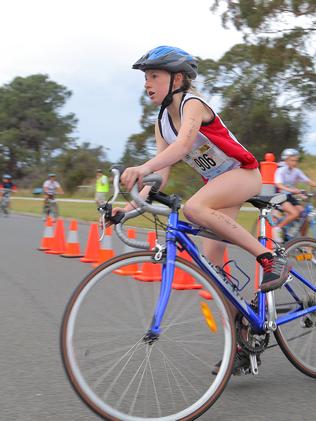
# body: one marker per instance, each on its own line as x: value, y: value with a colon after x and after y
x: 101, y: 187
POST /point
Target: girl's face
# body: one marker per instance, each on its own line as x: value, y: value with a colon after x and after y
x: 157, y: 85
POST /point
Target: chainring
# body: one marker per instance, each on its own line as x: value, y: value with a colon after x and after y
x: 250, y: 341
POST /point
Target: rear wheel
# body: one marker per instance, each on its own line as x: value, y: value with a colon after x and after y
x: 54, y: 210
x: 121, y: 375
x: 297, y: 338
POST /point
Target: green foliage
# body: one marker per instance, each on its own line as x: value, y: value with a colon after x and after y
x: 77, y: 164
x: 268, y: 83
x: 260, y: 124
x: 252, y: 90
x: 31, y: 124
x: 262, y: 15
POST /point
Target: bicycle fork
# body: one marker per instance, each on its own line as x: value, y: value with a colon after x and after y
x: 168, y: 269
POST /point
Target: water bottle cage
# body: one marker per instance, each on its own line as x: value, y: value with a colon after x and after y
x: 239, y: 286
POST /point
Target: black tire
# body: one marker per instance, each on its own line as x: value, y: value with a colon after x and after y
x: 297, y: 338
x: 98, y: 325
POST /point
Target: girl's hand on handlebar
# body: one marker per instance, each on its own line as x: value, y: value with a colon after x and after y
x: 115, y: 211
x: 132, y: 174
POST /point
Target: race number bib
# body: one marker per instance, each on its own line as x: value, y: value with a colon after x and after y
x: 209, y: 161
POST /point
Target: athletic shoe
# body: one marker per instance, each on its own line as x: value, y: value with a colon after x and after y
x: 275, y: 271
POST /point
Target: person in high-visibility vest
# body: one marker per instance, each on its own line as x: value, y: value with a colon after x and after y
x: 101, y: 187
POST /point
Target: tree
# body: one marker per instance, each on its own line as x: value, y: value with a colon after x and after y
x: 279, y: 35
x: 269, y: 81
x: 256, y: 105
x: 79, y: 163
x: 269, y: 16
x: 32, y: 127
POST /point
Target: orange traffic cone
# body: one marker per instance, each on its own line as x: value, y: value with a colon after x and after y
x: 72, y: 245
x: 59, y: 244
x: 129, y: 269
x: 48, y: 235
x: 150, y: 272
x: 183, y: 280
x: 93, y: 247
x: 106, y: 251
x: 226, y: 266
x: 206, y: 294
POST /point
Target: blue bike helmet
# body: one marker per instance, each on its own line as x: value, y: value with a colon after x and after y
x: 171, y: 59
x: 8, y: 176
x: 51, y: 174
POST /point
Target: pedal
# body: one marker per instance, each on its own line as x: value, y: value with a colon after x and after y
x: 253, y: 364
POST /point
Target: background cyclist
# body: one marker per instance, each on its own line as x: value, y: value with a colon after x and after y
x: 7, y: 184
x: 286, y: 178
x: 51, y: 186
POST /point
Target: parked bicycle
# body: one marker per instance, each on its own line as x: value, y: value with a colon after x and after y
x: 144, y: 351
x: 5, y: 201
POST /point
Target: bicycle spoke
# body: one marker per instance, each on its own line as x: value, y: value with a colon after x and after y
x: 116, y: 366
x: 297, y: 338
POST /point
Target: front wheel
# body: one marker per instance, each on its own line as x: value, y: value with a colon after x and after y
x: 123, y: 376
x: 297, y: 338
x: 54, y: 213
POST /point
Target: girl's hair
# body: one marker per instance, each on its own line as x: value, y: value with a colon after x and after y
x: 188, y: 86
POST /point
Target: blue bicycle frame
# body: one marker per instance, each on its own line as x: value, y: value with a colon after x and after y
x: 177, y: 231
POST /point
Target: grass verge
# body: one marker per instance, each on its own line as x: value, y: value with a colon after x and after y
x: 87, y: 212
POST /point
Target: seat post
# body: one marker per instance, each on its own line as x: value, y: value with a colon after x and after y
x: 262, y: 225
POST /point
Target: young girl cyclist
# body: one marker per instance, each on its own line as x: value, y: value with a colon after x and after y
x: 188, y: 129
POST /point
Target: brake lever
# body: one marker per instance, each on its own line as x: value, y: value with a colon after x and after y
x: 106, y: 215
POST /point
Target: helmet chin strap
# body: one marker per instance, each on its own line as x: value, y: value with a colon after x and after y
x: 169, y: 97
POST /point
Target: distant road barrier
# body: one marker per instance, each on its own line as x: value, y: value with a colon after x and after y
x: 243, y: 208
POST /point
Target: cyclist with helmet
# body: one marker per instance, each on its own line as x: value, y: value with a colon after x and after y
x: 6, y: 187
x: 51, y: 187
x: 286, y: 178
x: 188, y: 129
x: 7, y: 183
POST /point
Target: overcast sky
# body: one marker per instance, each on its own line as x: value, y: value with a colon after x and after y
x: 90, y: 45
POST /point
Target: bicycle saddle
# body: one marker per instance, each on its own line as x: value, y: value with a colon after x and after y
x: 262, y: 202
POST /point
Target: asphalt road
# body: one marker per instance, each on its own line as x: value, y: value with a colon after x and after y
x: 35, y: 288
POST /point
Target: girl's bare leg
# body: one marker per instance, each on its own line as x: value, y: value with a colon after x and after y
x: 214, y: 250
x: 229, y: 190
x: 292, y: 212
